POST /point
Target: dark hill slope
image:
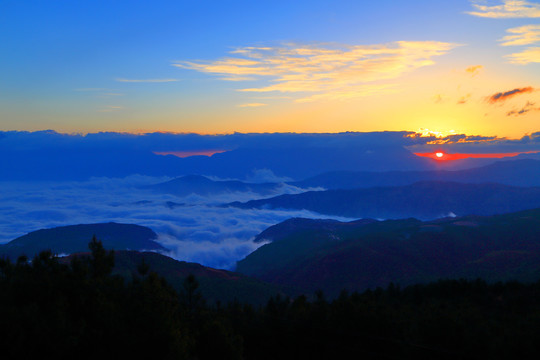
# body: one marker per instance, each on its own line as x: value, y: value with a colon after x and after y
x: 215, y: 285
x: 423, y: 200
x: 75, y: 238
x: 409, y: 251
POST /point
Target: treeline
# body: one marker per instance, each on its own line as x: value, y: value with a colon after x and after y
x: 80, y: 310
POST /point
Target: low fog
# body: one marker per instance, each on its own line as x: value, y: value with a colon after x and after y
x: 194, y: 228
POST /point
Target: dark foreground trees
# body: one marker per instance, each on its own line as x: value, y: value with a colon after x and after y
x: 79, y: 310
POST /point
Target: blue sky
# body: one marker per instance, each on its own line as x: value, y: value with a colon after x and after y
x: 86, y: 66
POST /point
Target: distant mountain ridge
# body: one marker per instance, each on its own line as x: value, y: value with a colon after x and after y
x: 366, y: 255
x: 524, y: 172
x: 422, y: 200
x: 75, y: 238
x: 201, y: 185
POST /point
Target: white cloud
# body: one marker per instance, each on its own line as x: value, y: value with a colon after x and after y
x: 194, y: 228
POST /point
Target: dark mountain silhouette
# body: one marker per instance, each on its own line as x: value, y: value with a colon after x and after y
x: 215, y: 285
x: 422, y: 200
x: 201, y: 185
x: 364, y: 255
x: 324, y: 226
x: 525, y: 172
x: 74, y: 238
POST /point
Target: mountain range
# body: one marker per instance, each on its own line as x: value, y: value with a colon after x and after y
x: 311, y: 255
x: 75, y: 238
x: 201, y: 185
x: 520, y: 172
x: 422, y: 200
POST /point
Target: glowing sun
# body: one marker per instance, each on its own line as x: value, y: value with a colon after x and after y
x: 439, y: 154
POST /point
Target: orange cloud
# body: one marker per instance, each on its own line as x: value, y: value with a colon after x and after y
x: 474, y: 70
x: 251, y: 105
x: 442, y: 156
x: 464, y: 99
x: 502, y: 96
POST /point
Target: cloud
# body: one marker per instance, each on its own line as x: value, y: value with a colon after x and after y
x: 529, y: 106
x: 530, y: 55
x: 437, y: 99
x: 328, y: 71
x: 196, y: 231
x: 91, y: 89
x: 509, y: 9
x: 463, y: 99
x: 252, y: 105
x: 145, y: 80
x: 265, y: 176
x: 502, y: 96
x: 523, y: 35
x: 111, y: 108
x: 476, y: 144
x: 474, y: 70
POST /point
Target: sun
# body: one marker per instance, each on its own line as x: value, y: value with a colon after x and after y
x: 439, y: 154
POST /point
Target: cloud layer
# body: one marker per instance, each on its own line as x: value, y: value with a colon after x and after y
x: 325, y: 71
x: 194, y: 228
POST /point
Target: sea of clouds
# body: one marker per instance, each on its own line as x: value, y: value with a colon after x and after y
x: 194, y: 228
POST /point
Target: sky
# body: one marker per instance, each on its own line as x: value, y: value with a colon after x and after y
x: 219, y: 67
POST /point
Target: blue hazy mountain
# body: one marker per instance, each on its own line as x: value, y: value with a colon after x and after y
x: 47, y: 155
x: 360, y: 255
x: 75, y: 238
x: 422, y: 200
x: 523, y: 172
x: 201, y: 185
x: 51, y: 156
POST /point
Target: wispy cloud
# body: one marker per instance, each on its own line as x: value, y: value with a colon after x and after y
x: 529, y: 106
x: 251, y: 105
x: 463, y: 99
x: 145, y: 80
x: 508, y: 9
x: 523, y: 35
x: 474, y: 70
x: 91, y: 89
x: 527, y: 56
x: 329, y: 71
x: 111, y: 108
x: 502, y: 96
